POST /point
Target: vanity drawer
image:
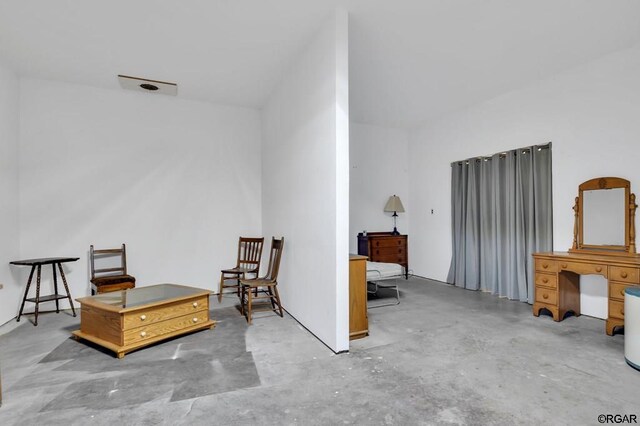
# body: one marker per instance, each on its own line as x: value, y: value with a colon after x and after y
x: 164, y: 327
x: 546, y: 280
x: 628, y: 275
x: 545, y: 295
x: 616, y: 290
x: 584, y: 268
x: 152, y: 315
x: 616, y: 309
x: 546, y: 265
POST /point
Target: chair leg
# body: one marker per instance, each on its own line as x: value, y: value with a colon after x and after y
x: 242, y: 293
x: 249, y: 296
x: 221, y: 288
x: 271, y: 297
x: 275, y: 289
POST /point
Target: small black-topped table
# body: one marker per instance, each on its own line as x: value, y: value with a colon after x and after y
x: 37, y: 263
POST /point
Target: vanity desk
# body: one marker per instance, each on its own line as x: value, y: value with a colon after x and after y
x: 603, y: 244
x: 557, y: 282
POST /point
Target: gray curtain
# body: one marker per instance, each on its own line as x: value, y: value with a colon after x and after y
x: 501, y: 213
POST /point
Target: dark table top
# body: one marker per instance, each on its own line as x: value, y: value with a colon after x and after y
x: 44, y: 261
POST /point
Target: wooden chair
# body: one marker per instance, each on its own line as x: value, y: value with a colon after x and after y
x: 268, y: 284
x: 116, y: 278
x: 249, y: 256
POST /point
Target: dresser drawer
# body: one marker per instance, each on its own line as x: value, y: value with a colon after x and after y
x: 388, y: 242
x: 545, y: 295
x: 546, y: 280
x: 389, y: 252
x: 546, y: 265
x: 154, y: 314
x: 583, y: 268
x: 164, y: 327
x: 628, y: 275
x: 616, y: 309
x: 616, y: 290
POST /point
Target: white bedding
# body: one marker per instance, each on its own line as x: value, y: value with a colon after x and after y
x: 383, y: 271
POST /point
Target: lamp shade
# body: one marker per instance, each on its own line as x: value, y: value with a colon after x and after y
x: 394, y: 205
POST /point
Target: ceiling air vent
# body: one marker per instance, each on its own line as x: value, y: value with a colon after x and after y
x: 146, y: 85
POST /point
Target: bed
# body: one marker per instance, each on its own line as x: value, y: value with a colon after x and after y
x: 383, y: 275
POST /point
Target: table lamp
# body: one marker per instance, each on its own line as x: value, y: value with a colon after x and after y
x: 394, y: 205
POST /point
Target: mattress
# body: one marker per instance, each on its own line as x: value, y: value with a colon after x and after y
x: 382, y: 271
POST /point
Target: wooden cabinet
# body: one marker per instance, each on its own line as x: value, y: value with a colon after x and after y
x: 557, y: 282
x: 358, y: 320
x: 385, y: 247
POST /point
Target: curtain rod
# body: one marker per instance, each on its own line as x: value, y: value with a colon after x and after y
x: 504, y: 154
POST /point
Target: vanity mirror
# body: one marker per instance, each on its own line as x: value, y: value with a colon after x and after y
x: 605, y: 217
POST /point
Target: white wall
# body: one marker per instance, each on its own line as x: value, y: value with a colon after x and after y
x: 177, y: 181
x: 10, y: 244
x: 591, y: 115
x: 379, y: 158
x: 305, y: 183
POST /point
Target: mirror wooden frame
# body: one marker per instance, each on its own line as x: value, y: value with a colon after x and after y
x: 629, y: 247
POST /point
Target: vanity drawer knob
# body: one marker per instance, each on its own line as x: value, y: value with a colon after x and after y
x: 564, y: 265
x: 598, y: 268
x: 622, y: 292
x: 143, y: 317
x: 143, y: 333
x: 545, y: 280
x: 545, y: 296
x: 195, y: 319
x: 195, y: 304
x: 545, y: 265
x: 623, y: 274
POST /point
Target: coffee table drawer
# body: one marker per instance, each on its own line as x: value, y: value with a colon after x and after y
x: 156, y: 314
x: 165, y: 327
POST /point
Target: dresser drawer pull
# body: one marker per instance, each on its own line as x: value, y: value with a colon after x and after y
x: 621, y: 311
x: 143, y: 317
x: 623, y: 274
x: 622, y: 292
x: 598, y: 268
x: 564, y: 265
x: 195, y: 319
x: 545, y: 265
x: 195, y: 304
x: 545, y: 280
x: 143, y: 333
x: 545, y: 296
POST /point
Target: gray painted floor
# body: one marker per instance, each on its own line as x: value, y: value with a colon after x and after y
x: 443, y: 356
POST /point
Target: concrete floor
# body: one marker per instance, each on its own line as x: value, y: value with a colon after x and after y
x: 443, y: 356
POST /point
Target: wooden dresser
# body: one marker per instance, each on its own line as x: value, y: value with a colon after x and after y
x: 358, y: 320
x: 385, y: 247
x: 557, y: 282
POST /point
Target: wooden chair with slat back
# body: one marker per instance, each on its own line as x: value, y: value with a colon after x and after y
x: 268, y: 285
x: 110, y: 279
x: 248, y: 262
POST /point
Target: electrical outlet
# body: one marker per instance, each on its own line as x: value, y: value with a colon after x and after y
x: 431, y: 211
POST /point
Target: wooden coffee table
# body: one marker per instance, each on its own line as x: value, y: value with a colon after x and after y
x: 123, y: 321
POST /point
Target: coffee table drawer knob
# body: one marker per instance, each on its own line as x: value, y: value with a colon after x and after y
x: 195, y: 319
x: 195, y: 304
x: 143, y: 333
x: 143, y: 317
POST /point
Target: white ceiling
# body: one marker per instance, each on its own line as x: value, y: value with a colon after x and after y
x: 410, y: 60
